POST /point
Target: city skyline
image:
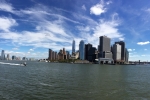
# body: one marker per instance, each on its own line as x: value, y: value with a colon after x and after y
x: 29, y: 28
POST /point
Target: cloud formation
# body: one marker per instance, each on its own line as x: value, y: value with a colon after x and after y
x: 131, y: 49
x: 98, y: 9
x: 143, y: 43
x: 4, y: 6
x: 51, y: 29
x: 83, y: 7
x: 6, y: 23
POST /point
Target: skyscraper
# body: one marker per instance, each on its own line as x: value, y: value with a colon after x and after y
x: 126, y: 55
x: 89, y: 52
x: 8, y: 57
x: 73, y: 47
x: 117, y: 52
x: 50, y: 54
x: 81, y: 50
x: 55, y: 55
x: 13, y: 57
x: 122, y: 49
x: 104, y: 43
x: 68, y: 54
x: 3, y: 55
x: 104, y: 47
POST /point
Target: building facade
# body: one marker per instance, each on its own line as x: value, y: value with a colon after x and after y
x: 73, y: 47
x: 13, y: 57
x: 126, y: 55
x: 122, y: 49
x: 81, y: 50
x: 3, y: 55
x: 117, y: 52
x: 50, y: 54
x: 87, y: 51
x: 8, y: 57
x: 104, y: 43
x: 104, y: 47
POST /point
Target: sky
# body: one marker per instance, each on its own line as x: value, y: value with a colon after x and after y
x: 31, y: 27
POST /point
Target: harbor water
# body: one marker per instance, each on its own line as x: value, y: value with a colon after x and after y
x: 64, y: 81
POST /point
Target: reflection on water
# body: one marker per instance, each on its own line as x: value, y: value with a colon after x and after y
x: 58, y: 81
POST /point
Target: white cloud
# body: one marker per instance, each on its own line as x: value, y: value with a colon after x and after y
x: 98, y: 9
x: 83, y: 7
x: 103, y: 27
x: 148, y: 10
x: 7, y: 23
x: 82, y: 28
x: 143, y: 43
x: 41, y: 13
x: 121, y: 39
x: 143, y: 55
x: 131, y: 49
x: 15, y: 48
x: 27, y: 54
x: 107, y: 28
x: 4, y: 6
x: 145, y: 49
x: 109, y: 2
x: 134, y: 56
x: 87, y: 19
x: 31, y: 50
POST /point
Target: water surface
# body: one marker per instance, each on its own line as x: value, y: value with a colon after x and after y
x: 60, y: 81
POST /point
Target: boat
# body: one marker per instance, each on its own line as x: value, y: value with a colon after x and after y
x: 23, y: 64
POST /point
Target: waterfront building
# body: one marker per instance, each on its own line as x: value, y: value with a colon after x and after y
x: 117, y: 52
x: 24, y: 58
x: 3, y: 55
x: 7, y: 57
x: 53, y: 55
x: 104, y: 43
x: 56, y: 56
x: 60, y: 55
x: 104, y: 49
x: 99, y: 48
x: 68, y: 54
x: 73, y: 47
x: 87, y: 50
x: 13, y: 57
x: 64, y: 53
x: 77, y: 54
x: 90, y: 52
x: 81, y: 50
x: 122, y: 49
x: 50, y: 54
x: 126, y: 55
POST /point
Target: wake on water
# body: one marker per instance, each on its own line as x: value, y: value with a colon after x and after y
x: 11, y: 64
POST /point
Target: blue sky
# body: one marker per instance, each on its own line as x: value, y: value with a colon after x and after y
x: 30, y: 27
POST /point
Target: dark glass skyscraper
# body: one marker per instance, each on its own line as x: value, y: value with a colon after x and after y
x: 73, y: 47
x: 89, y: 52
x: 126, y: 55
x: 3, y: 55
x: 81, y: 50
x: 50, y: 54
